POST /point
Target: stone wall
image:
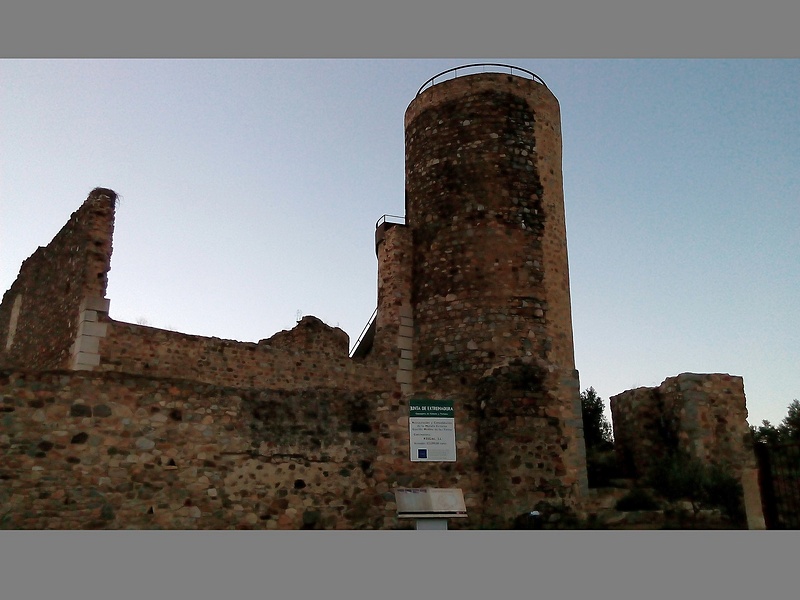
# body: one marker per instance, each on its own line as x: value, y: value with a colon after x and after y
x: 108, y: 450
x: 81, y: 449
x: 40, y: 312
x: 530, y: 445
x: 393, y: 248
x: 310, y: 355
x: 703, y: 415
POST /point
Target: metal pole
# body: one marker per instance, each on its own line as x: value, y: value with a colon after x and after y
x: 431, y: 524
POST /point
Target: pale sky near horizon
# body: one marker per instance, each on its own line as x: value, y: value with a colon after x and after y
x: 250, y: 190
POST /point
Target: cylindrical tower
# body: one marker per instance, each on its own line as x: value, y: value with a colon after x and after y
x: 485, y: 203
x: 490, y: 286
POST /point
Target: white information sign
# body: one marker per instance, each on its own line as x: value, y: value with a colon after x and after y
x: 432, y: 430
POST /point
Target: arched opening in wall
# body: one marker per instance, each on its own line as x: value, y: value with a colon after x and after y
x: 12, y: 323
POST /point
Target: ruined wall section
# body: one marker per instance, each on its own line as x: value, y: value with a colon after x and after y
x: 311, y: 355
x: 703, y: 415
x: 636, y: 419
x: 40, y: 312
x: 106, y: 450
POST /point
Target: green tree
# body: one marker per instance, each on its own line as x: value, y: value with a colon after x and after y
x: 790, y: 426
x: 787, y: 431
x: 601, y: 463
x: 597, y: 430
x: 766, y: 433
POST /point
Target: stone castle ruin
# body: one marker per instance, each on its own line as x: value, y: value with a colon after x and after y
x: 107, y: 424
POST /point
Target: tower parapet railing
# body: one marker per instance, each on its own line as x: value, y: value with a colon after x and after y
x: 496, y: 68
x: 384, y: 223
x: 392, y: 219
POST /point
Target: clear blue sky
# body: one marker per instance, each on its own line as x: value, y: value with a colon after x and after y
x: 250, y: 190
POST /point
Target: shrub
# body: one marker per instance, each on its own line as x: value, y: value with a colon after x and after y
x: 601, y: 467
x: 681, y: 477
x: 637, y: 499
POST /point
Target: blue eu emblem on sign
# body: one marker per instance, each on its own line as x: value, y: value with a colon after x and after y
x: 422, y: 453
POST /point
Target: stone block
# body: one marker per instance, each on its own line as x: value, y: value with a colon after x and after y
x: 88, y: 344
x: 403, y: 343
x: 95, y: 329
x: 752, y: 499
x: 96, y: 303
x: 695, y: 396
x: 86, y: 359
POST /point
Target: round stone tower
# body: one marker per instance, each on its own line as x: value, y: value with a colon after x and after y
x: 492, y: 324
x: 485, y: 204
